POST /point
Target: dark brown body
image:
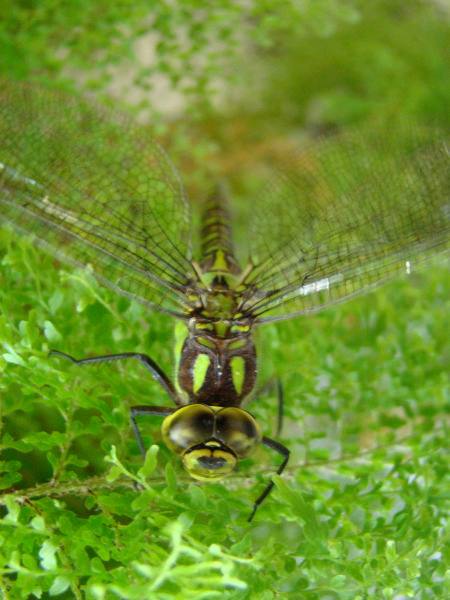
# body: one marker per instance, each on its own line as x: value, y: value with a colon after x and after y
x: 218, y: 386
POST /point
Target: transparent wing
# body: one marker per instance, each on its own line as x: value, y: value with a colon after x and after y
x: 349, y: 212
x: 94, y: 190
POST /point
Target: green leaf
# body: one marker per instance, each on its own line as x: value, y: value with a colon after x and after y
x: 51, y: 333
x: 12, y: 357
x: 60, y: 585
x: 47, y: 554
x: 151, y: 461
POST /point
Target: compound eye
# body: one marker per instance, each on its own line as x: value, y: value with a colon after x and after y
x: 187, y: 427
x: 209, y: 462
x: 238, y: 430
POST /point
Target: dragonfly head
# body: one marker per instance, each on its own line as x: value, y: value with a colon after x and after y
x: 211, y: 439
x: 209, y: 461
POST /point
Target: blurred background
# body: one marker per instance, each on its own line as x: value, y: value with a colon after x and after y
x: 225, y: 84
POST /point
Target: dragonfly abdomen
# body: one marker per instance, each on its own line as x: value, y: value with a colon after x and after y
x: 217, y: 253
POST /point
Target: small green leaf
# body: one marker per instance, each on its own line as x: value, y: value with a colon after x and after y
x: 51, y: 333
x: 38, y: 523
x: 151, y: 460
x: 391, y: 552
x: 47, y: 555
x: 13, y: 509
x: 338, y: 581
x: 12, y: 357
x: 60, y: 585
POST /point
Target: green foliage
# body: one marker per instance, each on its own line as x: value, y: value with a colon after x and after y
x: 361, y: 511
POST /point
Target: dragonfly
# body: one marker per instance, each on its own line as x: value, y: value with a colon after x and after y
x: 348, y: 212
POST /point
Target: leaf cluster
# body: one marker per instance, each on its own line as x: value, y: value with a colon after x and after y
x: 360, y: 512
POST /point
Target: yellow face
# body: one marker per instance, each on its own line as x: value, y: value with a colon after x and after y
x: 211, y: 439
x: 209, y: 462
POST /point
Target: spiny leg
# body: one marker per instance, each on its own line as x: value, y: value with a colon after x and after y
x: 157, y: 373
x: 159, y: 411
x: 285, y: 452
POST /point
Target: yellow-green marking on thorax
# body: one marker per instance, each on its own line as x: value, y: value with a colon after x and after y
x: 237, y: 364
x: 201, y: 366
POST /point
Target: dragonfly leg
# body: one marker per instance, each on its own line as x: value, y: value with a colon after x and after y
x: 145, y: 360
x: 160, y: 411
x: 285, y: 452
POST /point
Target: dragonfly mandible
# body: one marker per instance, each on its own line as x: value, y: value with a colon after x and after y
x: 349, y: 212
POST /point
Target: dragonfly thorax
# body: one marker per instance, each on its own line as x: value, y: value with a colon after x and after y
x: 215, y: 361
